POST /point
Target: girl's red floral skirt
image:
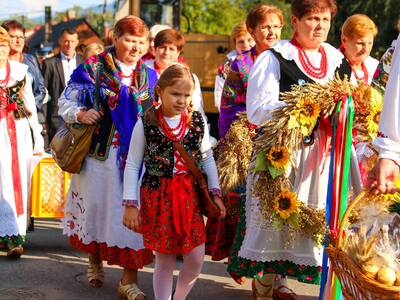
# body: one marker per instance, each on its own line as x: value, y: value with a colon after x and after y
x: 171, y: 218
x: 126, y: 258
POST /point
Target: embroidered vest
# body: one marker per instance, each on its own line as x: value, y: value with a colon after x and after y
x: 292, y: 75
x: 159, y: 152
x: 14, y: 95
x: 102, y: 136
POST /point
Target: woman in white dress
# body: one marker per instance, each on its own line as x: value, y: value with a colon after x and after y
x: 94, y: 208
x: 388, y: 140
x: 18, y: 117
x: 358, y: 33
x: 264, y: 251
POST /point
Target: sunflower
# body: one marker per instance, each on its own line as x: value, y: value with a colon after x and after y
x: 278, y: 157
x: 305, y: 115
x: 285, y: 204
x: 373, y: 117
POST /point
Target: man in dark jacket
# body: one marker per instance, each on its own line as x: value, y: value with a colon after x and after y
x: 57, y: 71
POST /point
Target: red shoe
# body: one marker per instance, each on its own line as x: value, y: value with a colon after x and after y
x: 283, y: 293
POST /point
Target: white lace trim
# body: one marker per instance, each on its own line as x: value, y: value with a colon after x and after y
x: 88, y: 239
x: 282, y: 255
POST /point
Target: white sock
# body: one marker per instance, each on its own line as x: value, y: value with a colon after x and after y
x: 163, y: 276
x: 192, y: 264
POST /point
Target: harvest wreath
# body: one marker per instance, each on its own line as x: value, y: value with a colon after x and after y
x: 278, y: 140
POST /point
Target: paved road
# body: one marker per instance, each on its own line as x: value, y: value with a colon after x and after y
x: 51, y: 269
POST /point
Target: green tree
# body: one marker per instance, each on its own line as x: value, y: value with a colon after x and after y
x: 220, y: 16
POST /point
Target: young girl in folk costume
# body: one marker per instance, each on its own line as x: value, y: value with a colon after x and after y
x: 169, y: 216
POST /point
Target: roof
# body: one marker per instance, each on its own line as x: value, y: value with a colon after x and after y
x: 37, y: 38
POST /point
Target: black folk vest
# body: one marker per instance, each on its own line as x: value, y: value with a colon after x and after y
x: 292, y: 75
x: 159, y: 151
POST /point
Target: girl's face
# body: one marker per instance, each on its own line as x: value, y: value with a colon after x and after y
x: 175, y: 98
x: 358, y: 48
x: 244, y: 42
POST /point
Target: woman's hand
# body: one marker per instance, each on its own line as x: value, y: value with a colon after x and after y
x: 221, y: 206
x: 384, y: 175
x: 88, y: 117
x: 131, y: 218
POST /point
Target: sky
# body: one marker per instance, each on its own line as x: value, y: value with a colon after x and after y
x: 34, y: 8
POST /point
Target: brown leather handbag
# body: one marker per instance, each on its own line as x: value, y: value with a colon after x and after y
x: 71, y: 143
x: 206, y: 200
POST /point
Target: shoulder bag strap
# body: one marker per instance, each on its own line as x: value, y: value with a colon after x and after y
x: 191, y: 164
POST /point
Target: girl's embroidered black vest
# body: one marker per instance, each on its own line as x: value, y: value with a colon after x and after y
x: 159, y: 152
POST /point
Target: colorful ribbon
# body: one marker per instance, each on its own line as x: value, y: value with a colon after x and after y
x: 338, y: 187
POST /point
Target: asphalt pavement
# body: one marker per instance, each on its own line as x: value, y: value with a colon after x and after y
x: 51, y: 269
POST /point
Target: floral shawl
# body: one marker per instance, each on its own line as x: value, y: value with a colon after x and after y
x: 233, y: 98
x: 125, y: 102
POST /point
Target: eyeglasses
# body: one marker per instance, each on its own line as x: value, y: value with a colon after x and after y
x: 271, y: 27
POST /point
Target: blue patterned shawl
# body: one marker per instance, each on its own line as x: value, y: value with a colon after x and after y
x: 125, y: 102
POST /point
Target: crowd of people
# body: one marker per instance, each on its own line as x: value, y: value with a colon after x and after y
x: 136, y: 198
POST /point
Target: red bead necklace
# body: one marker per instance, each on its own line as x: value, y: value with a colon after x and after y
x: 305, y: 62
x: 363, y: 68
x: 4, y: 82
x: 168, y: 131
x: 364, y: 78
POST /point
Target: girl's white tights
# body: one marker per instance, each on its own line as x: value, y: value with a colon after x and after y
x: 163, y: 274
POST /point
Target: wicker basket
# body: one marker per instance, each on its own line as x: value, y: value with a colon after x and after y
x: 355, y: 285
